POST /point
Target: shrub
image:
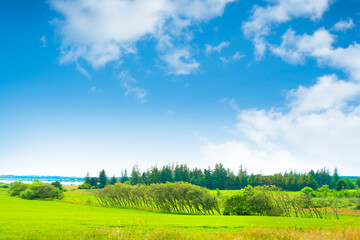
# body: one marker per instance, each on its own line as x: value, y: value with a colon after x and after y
x: 57, y: 184
x: 16, y: 188
x: 84, y: 186
x: 341, y: 184
x: 28, y: 194
x: 35, y: 190
x: 44, y: 190
x: 238, y: 204
x: 56, y: 194
x: 308, y: 191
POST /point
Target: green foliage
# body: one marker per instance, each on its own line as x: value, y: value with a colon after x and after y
x: 84, y: 186
x: 16, y: 188
x: 238, y: 204
x: 94, y: 182
x: 269, y: 201
x: 56, y: 194
x: 113, y: 180
x: 358, y: 182
x: 308, y: 191
x: 57, y: 220
x: 222, y: 178
x: 4, y: 185
x: 57, y: 184
x: 341, y: 184
x: 218, y: 193
x: 324, y: 190
x: 87, y: 179
x: 170, y: 197
x: 35, y: 190
x: 335, y: 179
x: 124, y: 176
x: 136, y: 177
x: 102, y: 179
x: 28, y: 194
x: 166, y: 175
x: 351, y: 184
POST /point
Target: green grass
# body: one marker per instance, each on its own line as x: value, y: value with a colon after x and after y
x: 39, y: 219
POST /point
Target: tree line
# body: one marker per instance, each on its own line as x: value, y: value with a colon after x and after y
x: 221, y: 178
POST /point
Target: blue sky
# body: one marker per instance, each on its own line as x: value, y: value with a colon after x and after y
x: 270, y: 85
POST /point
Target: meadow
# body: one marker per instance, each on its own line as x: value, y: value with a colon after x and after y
x: 78, y: 216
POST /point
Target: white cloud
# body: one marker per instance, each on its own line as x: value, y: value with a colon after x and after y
x: 295, y: 48
x: 102, y: 31
x: 343, y: 26
x: 231, y: 103
x: 210, y: 49
x: 127, y: 82
x: 328, y: 93
x: 43, y: 41
x: 321, y: 128
x: 276, y: 12
x: 320, y: 125
x: 179, y: 61
x: 237, y: 56
x: 82, y: 71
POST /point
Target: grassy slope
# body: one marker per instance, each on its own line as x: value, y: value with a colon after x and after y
x: 55, y: 219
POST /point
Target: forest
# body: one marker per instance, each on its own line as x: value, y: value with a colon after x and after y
x: 224, y: 179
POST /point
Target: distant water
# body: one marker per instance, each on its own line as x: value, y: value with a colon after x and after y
x: 7, y: 181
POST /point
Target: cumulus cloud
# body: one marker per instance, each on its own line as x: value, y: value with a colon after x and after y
x: 320, y: 128
x: 237, y: 56
x: 343, y: 25
x: 276, y: 12
x: 102, y: 31
x: 320, y: 124
x: 296, y: 48
x: 179, y: 61
x: 210, y: 49
x: 328, y: 93
x: 128, y: 83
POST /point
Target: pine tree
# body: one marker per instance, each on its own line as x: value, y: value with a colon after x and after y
x: 102, y: 179
x: 113, y: 180
x: 87, y: 179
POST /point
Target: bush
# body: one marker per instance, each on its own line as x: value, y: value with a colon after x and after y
x: 35, y: 190
x: 308, y: 191
x: 341, y: 184
x: 44, y: 190
x: 238, y: 204
x: 57, y: 184
x: 84, y: 186
x: 56, y: 194
x: 28, y: 194
x: 16, y: 188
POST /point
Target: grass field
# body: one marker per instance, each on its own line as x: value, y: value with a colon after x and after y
x: 38, y: 219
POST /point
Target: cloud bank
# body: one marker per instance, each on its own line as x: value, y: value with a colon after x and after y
x: 276, y: 12
x: 320, y: 124
x: 103, y: 31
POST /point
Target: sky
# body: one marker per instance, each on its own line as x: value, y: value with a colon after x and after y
x: 270, y: 85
